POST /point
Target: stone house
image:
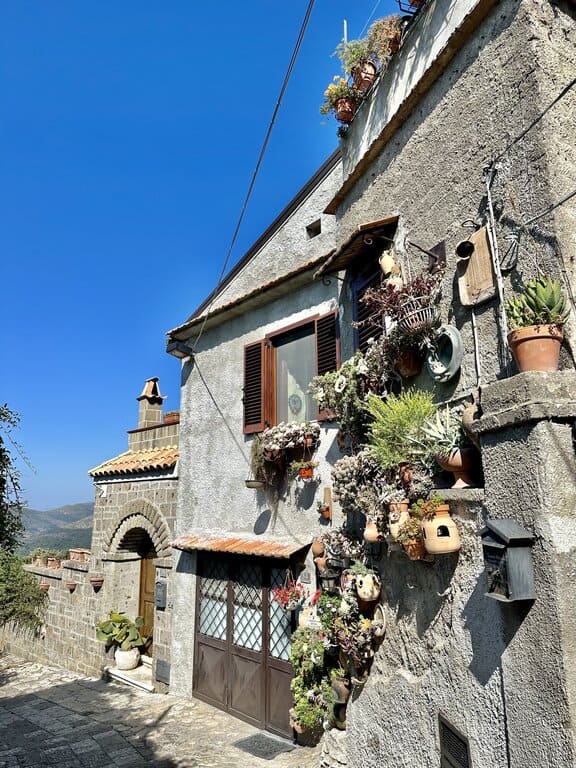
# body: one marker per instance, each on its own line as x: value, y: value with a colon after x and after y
x: 134, y: 513
x: 474, y: 120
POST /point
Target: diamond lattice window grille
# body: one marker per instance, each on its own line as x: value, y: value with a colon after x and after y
x: 248, y: 609
x: 213, y: 599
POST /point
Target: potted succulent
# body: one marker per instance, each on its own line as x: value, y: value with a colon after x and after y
x: 440, y: 533
x: 537, y: 318
x: 124, y: 634
x: 304, y: 470
x: 397, y: 426
x: 443, y: 438
x: 411, y: 536
x: 341, y: 98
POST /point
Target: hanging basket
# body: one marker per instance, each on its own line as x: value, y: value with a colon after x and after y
x: 418, y: 316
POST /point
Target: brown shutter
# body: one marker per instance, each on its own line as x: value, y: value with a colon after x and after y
x: 327, y: 347
x: 327, y: 350
x: 253, y: 387
x: 367, y: 329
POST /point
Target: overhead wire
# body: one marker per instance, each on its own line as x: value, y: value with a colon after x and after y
x: 248, y: 195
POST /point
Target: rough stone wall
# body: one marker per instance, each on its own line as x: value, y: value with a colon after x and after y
x: 164, y: 436
x: 504, y: 676
x: 68, y: 637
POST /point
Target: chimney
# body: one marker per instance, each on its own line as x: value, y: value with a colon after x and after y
x: 150, y: 405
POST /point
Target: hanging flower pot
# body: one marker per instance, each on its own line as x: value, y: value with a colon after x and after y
x: 306, y: 473
x: 345, y: 109
x: 257, y: 485
x: 71, y: 586
x: 364, y: 75
x: 461, y: 462
x: 44, y: 586
x: 96, y: 582
x: 441, y: 535
x: 368, y: 586
x: 415, y: 549
x: 397, y: 516
x: 371, y: 532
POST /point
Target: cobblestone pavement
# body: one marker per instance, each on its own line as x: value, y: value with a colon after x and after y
x: 50, y: 717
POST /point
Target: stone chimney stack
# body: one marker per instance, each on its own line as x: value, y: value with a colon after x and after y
x: 150, y: 405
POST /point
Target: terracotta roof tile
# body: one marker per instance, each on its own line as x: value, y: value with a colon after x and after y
x: 133, y: 462
x: 236, y: 546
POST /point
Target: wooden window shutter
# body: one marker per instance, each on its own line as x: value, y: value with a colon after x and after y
x: 327, y: 346
x: 361, y: 313
x: 327, y: 351
x: 254, y: 387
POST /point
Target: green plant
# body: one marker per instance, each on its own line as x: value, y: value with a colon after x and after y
x: 339, y: 89
x: 296, y: 466
x: 425, y: 509
x: 307, y: 651
x: 121, y: 631
x: 397, y: 426
x: 327, y: 607
x: 411, y: 530
x: 358, y: 568
x: 541, y: 302
x: 384, y: 37
x: 354, y: 53
x: 22, y: 602
x: 442, y: 434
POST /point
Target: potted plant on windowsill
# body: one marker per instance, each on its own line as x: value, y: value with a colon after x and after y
x: 341, y: 98
x: 124, y: 634
x: 537, y: 319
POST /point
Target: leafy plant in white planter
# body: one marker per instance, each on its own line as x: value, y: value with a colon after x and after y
x: 123, y: 633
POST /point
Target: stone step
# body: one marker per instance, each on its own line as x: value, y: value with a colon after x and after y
x: 141, y: 677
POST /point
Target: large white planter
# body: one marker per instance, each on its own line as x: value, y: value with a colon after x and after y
x: 127, y: 659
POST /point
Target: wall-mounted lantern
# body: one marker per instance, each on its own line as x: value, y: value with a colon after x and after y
x: 179, y: 349
x: 508, y: 560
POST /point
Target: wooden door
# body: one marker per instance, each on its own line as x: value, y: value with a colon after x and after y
x: 242, y: 641
x: 146, y: 602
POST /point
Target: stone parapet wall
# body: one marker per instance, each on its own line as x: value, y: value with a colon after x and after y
x: 161, y: 436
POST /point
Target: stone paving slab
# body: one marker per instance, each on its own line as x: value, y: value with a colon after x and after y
x: 51, y: 717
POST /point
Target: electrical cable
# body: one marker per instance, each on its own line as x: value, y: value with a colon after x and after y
x: 295, y: 52
x: 518, y: 138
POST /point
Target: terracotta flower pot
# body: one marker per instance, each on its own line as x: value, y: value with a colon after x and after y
x: 371, y: 532
x: 341, y: 689
x: 441, y: 535
x: 363, y: 76
x: 306, y: 473
x: 345, y: 109
x: 415, y: 549
x: 44, y: 586
x: 536, y: 347
x: 460, y: 462
x: 397, y: 516
x: 96, y: 582
x: 317, y: 547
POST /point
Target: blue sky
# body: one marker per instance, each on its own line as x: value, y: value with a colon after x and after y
x: 129, y: 133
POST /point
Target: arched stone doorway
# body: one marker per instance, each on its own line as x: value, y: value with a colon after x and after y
x: 137, y: 541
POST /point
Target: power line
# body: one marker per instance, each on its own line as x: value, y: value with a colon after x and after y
x: 259, y: 162
x: 518, y: 138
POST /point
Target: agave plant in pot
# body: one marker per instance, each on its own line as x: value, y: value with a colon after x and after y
x: 341, y: 98
x: 537, y: 319
x: 124, y: 634
x: 444, y: 438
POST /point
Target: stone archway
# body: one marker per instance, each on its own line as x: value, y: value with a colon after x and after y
x: 138, y: 515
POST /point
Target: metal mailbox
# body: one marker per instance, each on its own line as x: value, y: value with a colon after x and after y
x: 508, y: 561
x: 160, y: 595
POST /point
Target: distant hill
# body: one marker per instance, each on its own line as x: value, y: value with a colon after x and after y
x: 58, y: 528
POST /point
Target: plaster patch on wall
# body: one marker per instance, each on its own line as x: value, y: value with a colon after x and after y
x: 563, y: 530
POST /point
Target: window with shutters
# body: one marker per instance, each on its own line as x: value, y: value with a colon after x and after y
x: 278, y: 371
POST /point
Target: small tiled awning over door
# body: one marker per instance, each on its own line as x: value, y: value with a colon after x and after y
x: 238, y: 546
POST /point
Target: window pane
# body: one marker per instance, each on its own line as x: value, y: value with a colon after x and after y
x: 279, y: 621
x: 295, y: 369
x: 248, y: 609
x: 213, y: 595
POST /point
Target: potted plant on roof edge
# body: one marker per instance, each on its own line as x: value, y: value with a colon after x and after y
x: 341, y: 98
x: 358, y: 62
x: 537, y: 318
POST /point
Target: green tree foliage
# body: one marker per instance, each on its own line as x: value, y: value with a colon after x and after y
x: 22, y: 602
x: 11, y: 526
